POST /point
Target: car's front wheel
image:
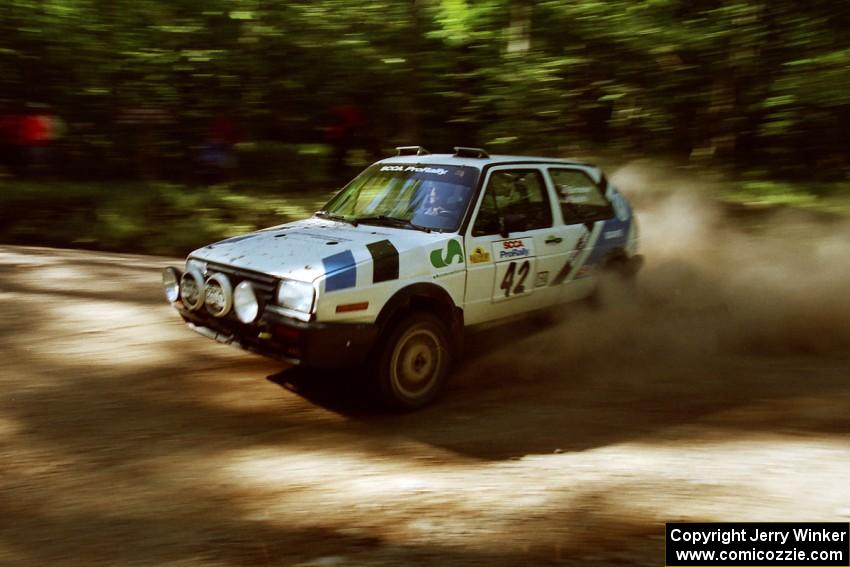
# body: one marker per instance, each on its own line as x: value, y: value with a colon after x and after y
x: 413, y: 362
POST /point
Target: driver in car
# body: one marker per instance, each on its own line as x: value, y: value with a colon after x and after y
x: 440, y: 206
x: 436, y: 202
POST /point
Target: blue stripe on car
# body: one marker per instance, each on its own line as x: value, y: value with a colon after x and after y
x: 603, y: 245
x: 341, y: 271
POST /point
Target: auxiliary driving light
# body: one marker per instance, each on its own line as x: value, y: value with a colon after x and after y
x: 171, y: 283
x: 192, y: 289
x: 245, y: 303
x: 218, y: 295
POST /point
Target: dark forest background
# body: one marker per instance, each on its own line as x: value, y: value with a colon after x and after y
x: 157, y: 126
x: 140, y: 85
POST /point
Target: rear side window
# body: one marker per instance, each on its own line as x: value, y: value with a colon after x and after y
x: 581, y: 199
x: 514, y: 192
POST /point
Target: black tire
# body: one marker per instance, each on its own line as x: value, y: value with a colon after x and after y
x: 412, y: 362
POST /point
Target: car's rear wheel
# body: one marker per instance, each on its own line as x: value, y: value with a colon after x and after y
x: 413, y: 361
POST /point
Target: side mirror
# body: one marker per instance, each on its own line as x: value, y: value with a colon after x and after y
x: 512, y: 222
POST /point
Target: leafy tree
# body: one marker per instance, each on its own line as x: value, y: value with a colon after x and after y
x: 738, y: 82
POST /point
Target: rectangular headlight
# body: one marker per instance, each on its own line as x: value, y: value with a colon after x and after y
x: 295, y: 295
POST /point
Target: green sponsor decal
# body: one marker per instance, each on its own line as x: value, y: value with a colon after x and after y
x: 453, y: 250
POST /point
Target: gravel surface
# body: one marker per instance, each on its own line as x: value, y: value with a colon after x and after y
x: 704, y: 395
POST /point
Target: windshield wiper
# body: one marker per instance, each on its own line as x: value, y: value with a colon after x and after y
x: 336, y: 217
x: 392, y: 221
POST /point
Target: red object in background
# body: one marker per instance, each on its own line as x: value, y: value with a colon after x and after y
x: 347, y: 118
x: 35, y: 130
x: 223, y: 130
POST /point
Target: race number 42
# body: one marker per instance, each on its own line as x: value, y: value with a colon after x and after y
x: 513, y: 279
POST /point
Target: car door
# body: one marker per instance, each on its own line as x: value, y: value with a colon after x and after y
x: 513, y: 246
x: 584, y: 210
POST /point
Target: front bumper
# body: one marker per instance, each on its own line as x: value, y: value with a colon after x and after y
x: 319, y: 345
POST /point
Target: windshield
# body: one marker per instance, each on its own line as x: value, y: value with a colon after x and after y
x: 431, y: 197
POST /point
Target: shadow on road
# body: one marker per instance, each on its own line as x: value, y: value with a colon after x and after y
x: 498, y: 406
x: 149, y: 444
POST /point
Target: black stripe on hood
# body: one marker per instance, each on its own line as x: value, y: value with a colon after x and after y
x: 384, y: 260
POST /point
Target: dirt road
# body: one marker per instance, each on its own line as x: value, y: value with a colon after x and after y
x: 127, y: 439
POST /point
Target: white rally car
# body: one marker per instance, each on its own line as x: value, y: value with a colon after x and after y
x: 405, y: 257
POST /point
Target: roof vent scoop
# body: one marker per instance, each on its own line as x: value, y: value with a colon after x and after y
x: 480, y: 153
x: 412, y: 151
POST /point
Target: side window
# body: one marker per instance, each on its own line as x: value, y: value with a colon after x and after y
x: 520, y: 194
x: 581, y: 199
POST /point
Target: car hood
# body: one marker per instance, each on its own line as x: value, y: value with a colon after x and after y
x: 300, y: 250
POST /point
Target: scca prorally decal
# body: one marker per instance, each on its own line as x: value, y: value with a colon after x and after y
x: 414, y: 169
x: 341, y: 270
x: 513, y: 249
x: 384, y: 261
x: 453, y: 250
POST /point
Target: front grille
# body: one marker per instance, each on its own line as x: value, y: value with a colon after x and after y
x: 264, y: 284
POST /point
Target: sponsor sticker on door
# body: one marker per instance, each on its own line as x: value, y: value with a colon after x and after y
x: 512, y: 249
x: 479, y: 256
x: 542, y: 279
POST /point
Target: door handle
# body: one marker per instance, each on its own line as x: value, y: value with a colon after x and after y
x: 554, y: 240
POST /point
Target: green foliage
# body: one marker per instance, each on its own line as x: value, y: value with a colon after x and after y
x: 158, y: 218
x: 824, y: 197
x: 739, y: 81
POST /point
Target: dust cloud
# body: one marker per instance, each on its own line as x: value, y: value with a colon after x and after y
x: 720, y: 279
